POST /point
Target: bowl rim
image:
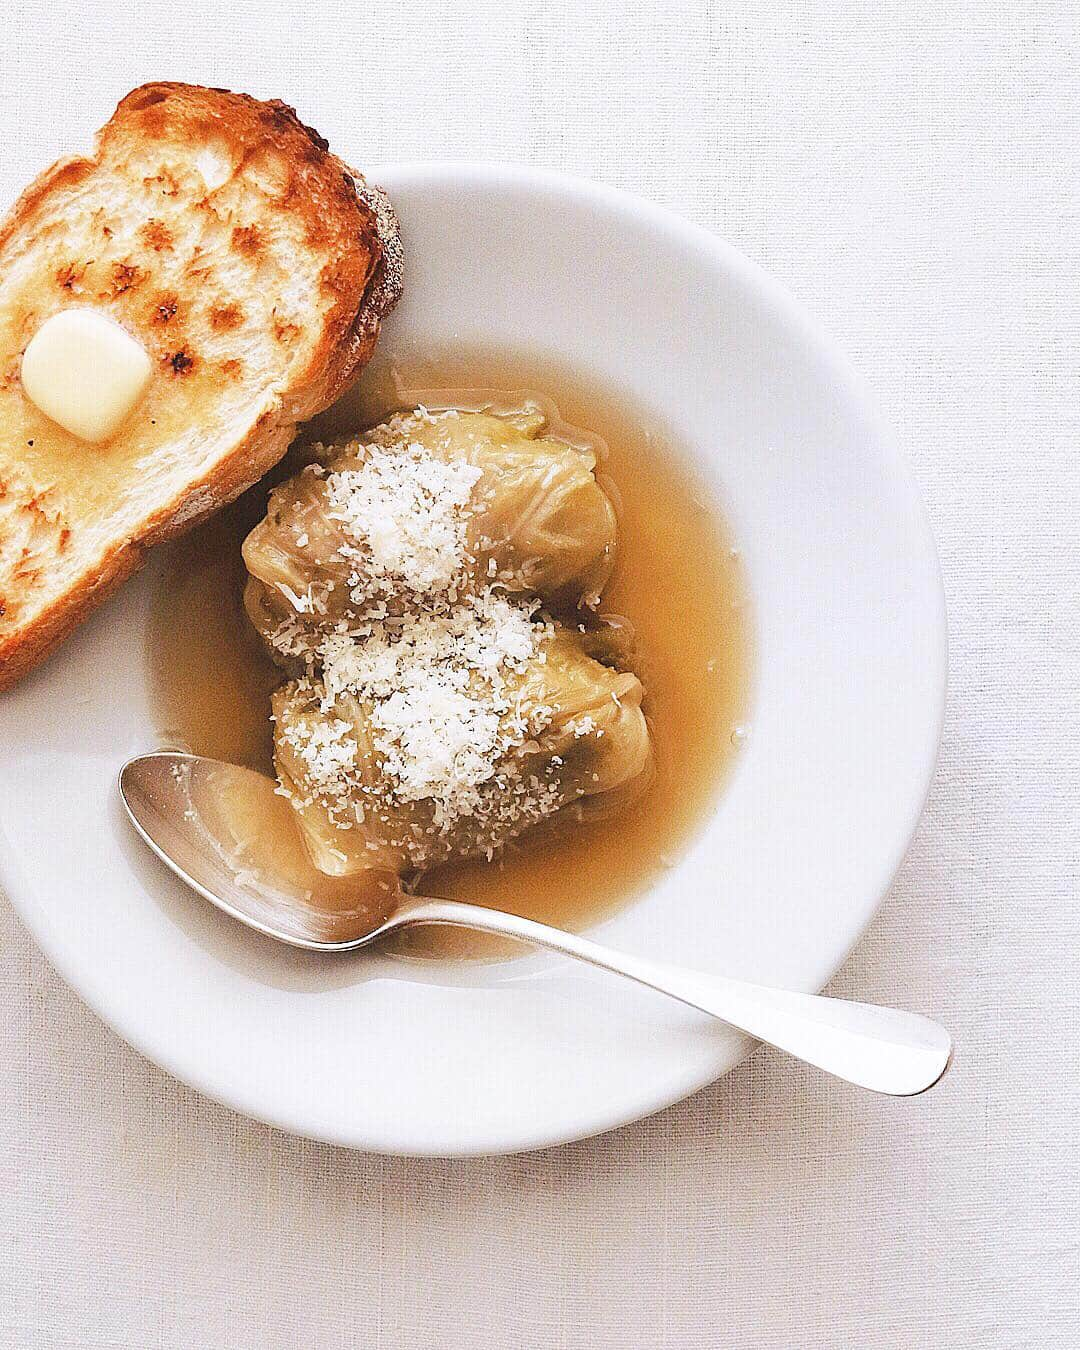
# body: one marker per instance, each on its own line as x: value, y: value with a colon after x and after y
x: 715, y: 253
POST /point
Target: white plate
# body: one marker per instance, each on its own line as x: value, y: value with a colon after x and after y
x: 457, y: 1059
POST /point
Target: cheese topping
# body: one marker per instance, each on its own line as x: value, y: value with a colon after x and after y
x: 329, y: 753
x: 436, y: 711
x: 434, y: 670
x: 408, y: 513
x: 440, y: 690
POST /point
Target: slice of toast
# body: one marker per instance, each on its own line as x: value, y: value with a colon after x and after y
x: 253, y: 266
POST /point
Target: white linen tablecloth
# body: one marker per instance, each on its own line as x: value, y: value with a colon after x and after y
x: 912, y: 171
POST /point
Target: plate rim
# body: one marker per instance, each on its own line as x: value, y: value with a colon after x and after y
x: 419, y: 173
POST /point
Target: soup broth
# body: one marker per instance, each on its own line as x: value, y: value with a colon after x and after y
x: 677, y: 582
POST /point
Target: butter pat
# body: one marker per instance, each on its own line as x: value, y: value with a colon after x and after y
x: 85, y: 372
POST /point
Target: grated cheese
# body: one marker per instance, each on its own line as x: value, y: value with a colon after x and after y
x: 439, y: 687
x: 329, y: 752
x: 407, y: 512
x: 421, y: 674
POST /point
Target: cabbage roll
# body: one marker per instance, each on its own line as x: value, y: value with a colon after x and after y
x: 459, y: 775
x: 420, y: 510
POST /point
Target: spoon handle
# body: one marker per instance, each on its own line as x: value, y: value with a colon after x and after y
x: 899, y: 1053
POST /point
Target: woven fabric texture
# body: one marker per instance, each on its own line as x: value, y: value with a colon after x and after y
x: 912, y: 172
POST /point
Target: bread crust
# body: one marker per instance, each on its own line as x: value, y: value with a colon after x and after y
x: 352, y: 220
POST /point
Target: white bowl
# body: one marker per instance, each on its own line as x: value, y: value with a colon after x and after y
x: 850, y: 637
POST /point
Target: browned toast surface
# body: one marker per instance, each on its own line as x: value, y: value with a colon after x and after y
x: 253, y: 266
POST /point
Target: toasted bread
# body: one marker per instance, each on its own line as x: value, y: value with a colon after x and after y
x: 253, y: 266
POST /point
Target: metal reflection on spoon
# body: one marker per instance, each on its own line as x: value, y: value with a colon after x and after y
x: 210, y: 822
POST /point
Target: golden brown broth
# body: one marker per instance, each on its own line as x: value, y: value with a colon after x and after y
x: 677, y: 580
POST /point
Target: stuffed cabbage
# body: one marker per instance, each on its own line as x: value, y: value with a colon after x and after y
x: 407, y: 581
x: 568, y: 729
x: 422, y: 509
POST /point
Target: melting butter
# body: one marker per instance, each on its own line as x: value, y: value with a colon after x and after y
x: 85, y: 372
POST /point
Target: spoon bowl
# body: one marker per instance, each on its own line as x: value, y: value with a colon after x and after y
x: 211, y: 823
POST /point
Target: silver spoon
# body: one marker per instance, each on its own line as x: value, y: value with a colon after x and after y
x: 180, y: 805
